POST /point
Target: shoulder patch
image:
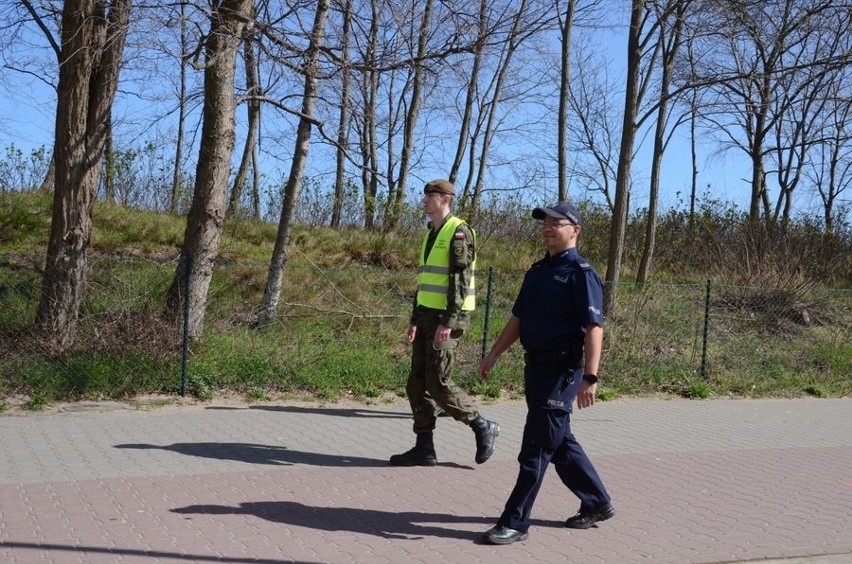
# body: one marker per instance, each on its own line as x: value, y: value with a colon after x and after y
x: 459, y: 235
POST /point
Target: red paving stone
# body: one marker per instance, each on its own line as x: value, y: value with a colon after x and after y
x: 716, y: 481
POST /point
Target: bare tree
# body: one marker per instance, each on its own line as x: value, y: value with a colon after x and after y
x: 670, y: 17
x: 272, y: 292
x: 632, y: 96
x: 396, y: 197
x: 45, y: 17
x: 751, y: 44
x: 253, y: 95
x: 470, y: 90
x: 369, y: 88
x: 566, y: 23
x: 526, y: 22
x: 92, y: 39
x: 177, y: 177
x: 805, y: 97
x: 594, y: 137
x: 207, y: 213
x: 504, y: 86
x: 830, y: 169
x: 343, y: 122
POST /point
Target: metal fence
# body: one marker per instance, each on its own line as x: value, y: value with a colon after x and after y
x: 346, y: 320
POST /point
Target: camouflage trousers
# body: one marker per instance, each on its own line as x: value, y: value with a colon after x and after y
x: 430, y: 377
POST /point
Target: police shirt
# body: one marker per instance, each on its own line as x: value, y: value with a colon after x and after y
x: 558, y: 298
x: 560, y: 295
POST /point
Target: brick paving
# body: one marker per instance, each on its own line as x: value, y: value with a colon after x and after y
x: 692, y: 481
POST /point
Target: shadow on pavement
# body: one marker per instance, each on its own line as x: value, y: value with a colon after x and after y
x: 385, y: 524
x: 268, y: 454
x: 142, y: 553
x: 261, y: 454
x: 334, y: 412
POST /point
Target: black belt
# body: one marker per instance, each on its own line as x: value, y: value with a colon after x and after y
x: 552, y: 357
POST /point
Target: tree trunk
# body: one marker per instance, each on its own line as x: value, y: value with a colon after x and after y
x: 343, y: 125
x: 49, y: 178
x: 255, y: 184
x: 207, y: 212
x: 369, y: 149
x: 272, y: 293
x: 253, y: 109
x: 471, y: 207
x: 92, y: 45
x: 397, y: 197
x: 671, y: 46
x: 625, y: 159
x: 564, y: 97
x: 177, y: 183
x: 470, y: 97
x: 109, y: 164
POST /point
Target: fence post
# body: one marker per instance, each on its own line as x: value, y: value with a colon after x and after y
x: 487, y: 313
x: 187, y: 275
x: 706, y: 329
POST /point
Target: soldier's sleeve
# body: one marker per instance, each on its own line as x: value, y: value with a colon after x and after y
x: 462, y: 255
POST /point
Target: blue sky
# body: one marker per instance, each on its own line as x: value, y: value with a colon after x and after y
x: 27, y: 113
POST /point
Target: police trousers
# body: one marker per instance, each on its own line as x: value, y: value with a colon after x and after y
x: 548, y: 439
x: 430, y: 377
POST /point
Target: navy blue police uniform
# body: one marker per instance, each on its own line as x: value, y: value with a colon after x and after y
x: 558, y: 298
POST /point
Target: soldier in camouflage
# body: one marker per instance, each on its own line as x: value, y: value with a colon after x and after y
x: 443, y: 305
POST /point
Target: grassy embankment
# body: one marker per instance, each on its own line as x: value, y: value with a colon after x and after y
x: 344, y: 310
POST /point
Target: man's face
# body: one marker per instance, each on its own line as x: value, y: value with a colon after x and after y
x: 432, y: 202
x: 558, y: 234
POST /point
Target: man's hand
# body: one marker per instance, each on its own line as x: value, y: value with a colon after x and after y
x: 442, y: 334
x: 485, y: 366
x: 412, y: 332
x: 586, y: 395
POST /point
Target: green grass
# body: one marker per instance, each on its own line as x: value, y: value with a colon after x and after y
x: 340, y: 331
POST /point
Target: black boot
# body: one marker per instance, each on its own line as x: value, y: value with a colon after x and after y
x: 423, y: 453
x: 486, y: 433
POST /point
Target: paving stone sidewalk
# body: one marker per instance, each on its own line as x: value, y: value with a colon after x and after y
x: 692, y: 482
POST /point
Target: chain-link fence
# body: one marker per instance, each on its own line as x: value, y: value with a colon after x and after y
x: 340, y: 330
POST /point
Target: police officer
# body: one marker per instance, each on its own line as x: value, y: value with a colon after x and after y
x: 558, y: 318
x: 443, y: 304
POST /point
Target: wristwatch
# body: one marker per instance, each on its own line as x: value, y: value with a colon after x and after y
x: 591, y: 378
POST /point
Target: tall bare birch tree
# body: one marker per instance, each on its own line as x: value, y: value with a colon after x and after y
x: 470, y: 90
x: 92, y: 38
x: 343, y: 121
x: 253, y: 95
x: 272, y: 292
x: 207, y: 212
x: 396, y: 196
x: 524, y: 24
x: 670, y: 23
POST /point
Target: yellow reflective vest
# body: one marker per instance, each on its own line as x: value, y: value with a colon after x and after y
x: 433, y: 276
